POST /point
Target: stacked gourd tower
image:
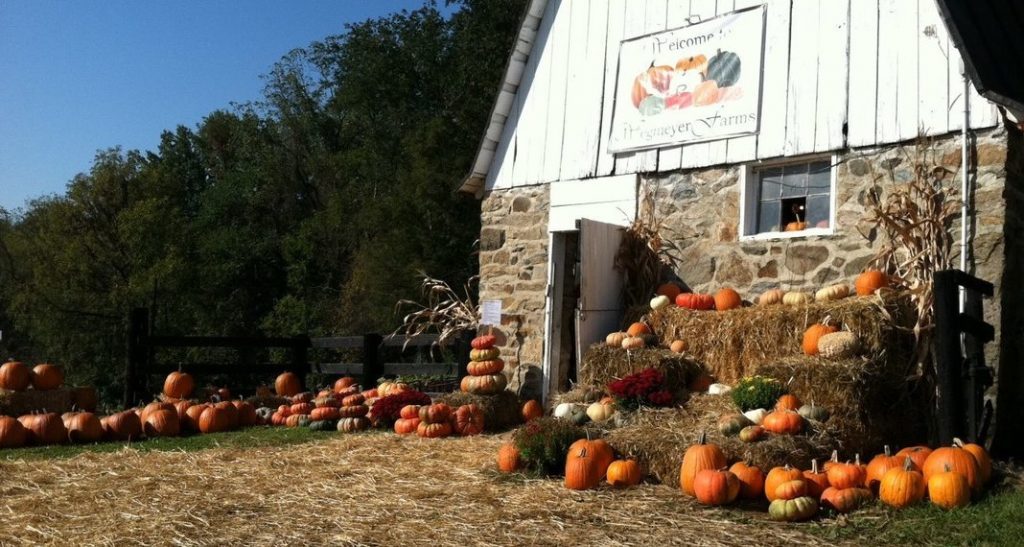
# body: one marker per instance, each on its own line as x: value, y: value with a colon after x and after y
x: 485, y: 367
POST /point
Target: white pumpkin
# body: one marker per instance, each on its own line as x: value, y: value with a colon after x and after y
x: 796, y: 299
x: 718, y: 389
x: 564, y: 410
x: 835, y: 292
x: 659, y: 302
x: 757, y: 415
x: 600, y: 412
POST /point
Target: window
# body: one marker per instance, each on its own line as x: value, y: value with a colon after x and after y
x: 787, y: 199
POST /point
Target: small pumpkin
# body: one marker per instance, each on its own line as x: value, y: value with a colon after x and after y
x: 600, y: 412
x: 794, y: 510
x: 796, y: 299
x: 869, y: 282
x: 406, y: 426
x: 845, y: 475
x: 902, y: 486
x: 46, y: 377
x: 917, y: 454
x: 771, y: 297
x: 509, y: 460
x: 783, y: 422
x: 791, y: 490
x: 716, y: 487
x: 468, y: 420
x: 162, y: 423
x: 832, y: 293
x: 564, y: 410
x: 670, y: 290
x: 731, y: 424
x: 532, y: 410
x: 751, y: 480
x: 623, y: 473
x: 697, y: 458
x: 614, y: 340
x: 301, y: 408
x: 751, y: 434
x: 638, y: 328
x: 949, y: 490
x: 812, y: 334
x: 795, y: 226
x: 817, y: 480
x: 659, y: 302
x: 485, y: 368
x: 814, y: 412
x: 788, y: 402
x: 484, y: 354
x: 695, y: 301
x: 777, y: 476
x: 845, y: 500
x: 677, y: 346
x: 483, y: 341
x: 352, y: 425
x: 633, y: 342
x: 696, y: 62
x: 838, y: 345
x: 325, y: 413
x: 727, y: 299
x: 343, y: 383
x: 879, y: 465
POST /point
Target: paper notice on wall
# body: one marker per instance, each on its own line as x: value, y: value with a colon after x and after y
x: 490, y: 311
x: 698, y: 83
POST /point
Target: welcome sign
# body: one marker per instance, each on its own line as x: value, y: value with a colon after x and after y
x: 697, y: 83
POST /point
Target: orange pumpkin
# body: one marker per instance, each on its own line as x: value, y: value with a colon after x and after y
x: 949, y: 490
x: 879, y: 465
x: 532, y: 410
x: 655, y: 78
x: 468, y: 420
x: 287, y: 384
x: 406, y: 426
x: 812, y: 334
x: 715, y: 487
x: 870, y: 281
x: 791, y: 490
x: 777, y: 476
x: 727, y: 299
x: 484, y: 368
x: 162, y: 423
x: 670, y: 290
x: 623, y: 473
x: 706, y: 93
x: 845, y: 500
x: 957, y: 460
x: 981, y: 456
x: 508, y: 458
x: 636, y: 329
x: 697, y: 62
x: 788, y: 402
x: 697, y: 458
x: 601, y: 450
x: 695, y: 301
x: 902, y: 486
x: 431, y: 431
x: 12, y: 433
x: 751, y: 480
x: 783, y: 422
x: 15, y: 376
x: 817, y: 480
x: 677, y: 346
x: 344, y: 382
x: 46, y: 377
x: 845, y: 475
x: 795, y: 226
x: 582, y: 469
x: 917, y: 454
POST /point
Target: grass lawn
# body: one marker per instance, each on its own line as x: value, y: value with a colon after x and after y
x: 258, y: 487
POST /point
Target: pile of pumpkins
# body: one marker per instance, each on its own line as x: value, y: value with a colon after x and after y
x: 343, y: 407
x: 484, y: 370
x: 587, y: 462
x: 949, y: 476
x: 439, y: 420
x: 17, y: 376
x: 789, y: 417
x: 637, y: 336
x: 580, y: 413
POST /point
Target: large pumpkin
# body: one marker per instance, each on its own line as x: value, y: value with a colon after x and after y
x: 783, y: 422
x: 623, y: 473
x: 582, y: 469
x: 957, y: 460
x: 435, y: 430
x: 190, y: 420
x: 879, y: 465
x: 845, y: 475
x: 12, y: 433
x: 727, y: 299
x: 601, y: 450
x: 44, y: 429
x: 655, y: 79
x: 153, y: 407
x: 162, y: 423
x: 902, y: 486
x: 812, y: 334
x: 47, y: 377
x: 406, y: 426
x: 484, y: 385
x: 846, y: 499
x: 179, y: 385
x: 246, y: 413
x: 83, y: 427
x: 917, y: 454
x: 715, y: 487
x: 123, y: 426
x: 15, y: 376
x: 468, y: 420
x: 214, y: 419
x: 981, y: 456
x: 287, y: 384
x: 697, y: 458
x: 870, y: 281
x: 949, y: 490
x: 435, y: 413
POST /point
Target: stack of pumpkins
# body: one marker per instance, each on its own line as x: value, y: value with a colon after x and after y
x: 589, y: 461
x: 485, y: 368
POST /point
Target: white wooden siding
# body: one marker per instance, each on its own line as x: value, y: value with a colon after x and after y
x: 611, y: 200
x: 854, y: 73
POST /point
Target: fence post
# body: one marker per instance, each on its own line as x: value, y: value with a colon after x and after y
x: 300, y: 358
x: 135, y: 371
x: 949, y: 412
x: 372, y: 365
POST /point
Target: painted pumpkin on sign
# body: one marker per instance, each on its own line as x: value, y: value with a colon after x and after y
x: 724, y: 68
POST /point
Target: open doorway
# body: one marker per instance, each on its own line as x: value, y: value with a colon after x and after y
x: 584, y: 301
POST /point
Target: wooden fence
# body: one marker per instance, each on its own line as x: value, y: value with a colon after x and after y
x: 373, y: 349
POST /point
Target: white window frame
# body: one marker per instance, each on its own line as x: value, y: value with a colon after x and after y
x: 748, y: 197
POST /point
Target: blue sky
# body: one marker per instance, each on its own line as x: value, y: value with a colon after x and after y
x: 77, y: 77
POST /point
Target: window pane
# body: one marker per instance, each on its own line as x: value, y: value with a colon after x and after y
x: 768, y: 216
x: 794, y: 181
x: 819, y: 180
x: 771, y: 183
x: 817, y: 211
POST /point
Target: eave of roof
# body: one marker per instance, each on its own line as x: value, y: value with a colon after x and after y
x: 475, y: 180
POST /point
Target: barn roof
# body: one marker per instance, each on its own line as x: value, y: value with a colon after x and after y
x: 474, y: 182
x: 990, y: 37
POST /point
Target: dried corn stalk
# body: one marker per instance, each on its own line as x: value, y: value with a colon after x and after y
x: 645, y: 252
x: 915, y: 219
x: 445, y: 312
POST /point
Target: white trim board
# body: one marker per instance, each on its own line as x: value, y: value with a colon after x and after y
x: 606, y: 199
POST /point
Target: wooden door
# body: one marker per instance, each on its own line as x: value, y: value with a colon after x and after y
x: 599, y: 310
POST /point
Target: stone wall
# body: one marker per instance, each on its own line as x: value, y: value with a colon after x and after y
x: 514, y: 269
x: 701, y: 207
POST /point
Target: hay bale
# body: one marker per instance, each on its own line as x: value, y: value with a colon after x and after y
x: 602, y: 364
x: 17, y: 403
x: 733, y: 344
x: 871, y: 402
x: 579, y: 394
x: 501, y: 410
x: 659, y: 437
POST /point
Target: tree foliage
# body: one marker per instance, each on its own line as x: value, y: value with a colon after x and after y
x: 309, y: 211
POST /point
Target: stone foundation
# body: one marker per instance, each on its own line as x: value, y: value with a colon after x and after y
x: 514, y: 269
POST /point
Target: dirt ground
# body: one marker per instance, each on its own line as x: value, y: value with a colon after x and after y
x: 352, y: 490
